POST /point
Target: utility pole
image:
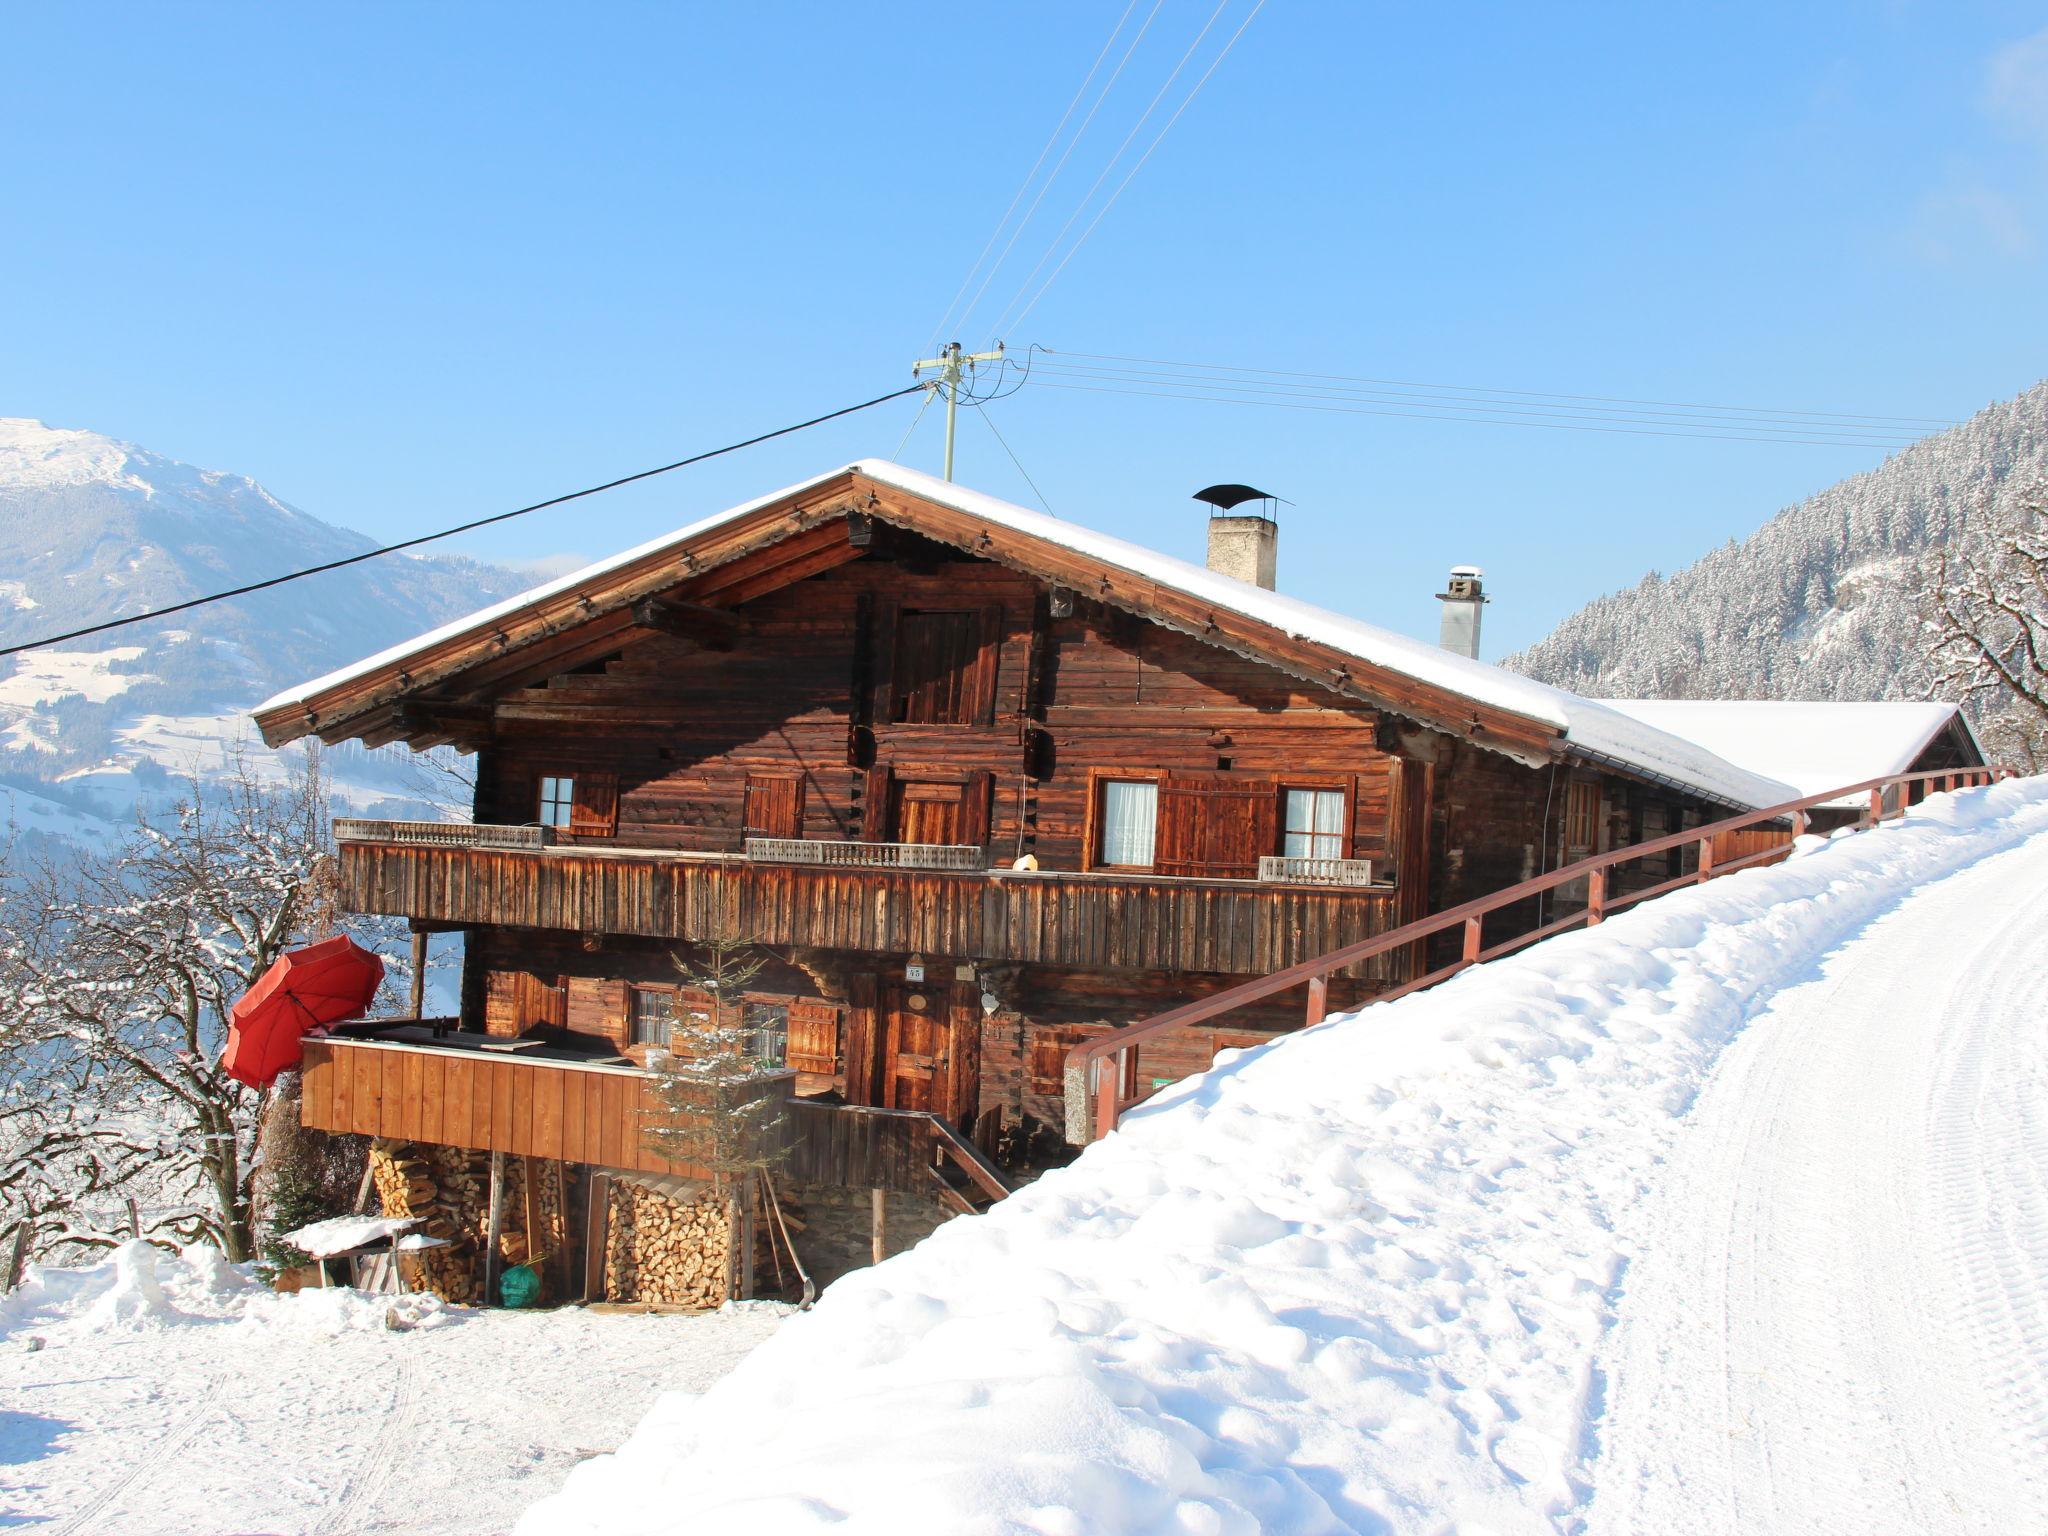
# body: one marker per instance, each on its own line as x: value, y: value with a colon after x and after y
x: 951, y: 364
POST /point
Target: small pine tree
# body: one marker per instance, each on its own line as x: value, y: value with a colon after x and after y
x: 718, y: 1108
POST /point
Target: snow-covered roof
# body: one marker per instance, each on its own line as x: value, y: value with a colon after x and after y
x: 1813, y: 746
x: 1591, y: 728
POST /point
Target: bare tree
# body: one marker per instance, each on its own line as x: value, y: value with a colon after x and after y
x: 117, y: 972
x: 1987, y: 606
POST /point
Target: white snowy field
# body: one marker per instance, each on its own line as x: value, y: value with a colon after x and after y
x: 162, y: 1396
x: 1532, y: 1252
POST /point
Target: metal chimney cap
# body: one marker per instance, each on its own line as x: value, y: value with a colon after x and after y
x: 1226, y: 499
x: 1471, y: 571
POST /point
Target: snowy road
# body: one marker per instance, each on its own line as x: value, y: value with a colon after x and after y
x: 1839, y: 1319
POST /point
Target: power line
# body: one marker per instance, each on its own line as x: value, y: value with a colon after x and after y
x: 1482, y: 405
x: 428, y: 538
x: 939, y: 334
x: 991, y: 423
x: 1186, y: 102
x: 1110, y: 165
x: 1417, y: 415
x: 1112, y: 357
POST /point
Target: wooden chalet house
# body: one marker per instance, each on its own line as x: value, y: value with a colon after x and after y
x: 977, y: 781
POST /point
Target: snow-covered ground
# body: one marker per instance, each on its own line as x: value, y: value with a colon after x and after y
x: 169, y: 1395
x: 1369, y: 1278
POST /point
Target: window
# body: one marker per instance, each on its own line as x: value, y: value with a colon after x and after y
x: 1130, y: 822
x: 765, y: 1031
x: 651, y: 1013
x: 1581, y: 815
x: 939, y: 676
x: 1314, y: 824
x: 557, y: 801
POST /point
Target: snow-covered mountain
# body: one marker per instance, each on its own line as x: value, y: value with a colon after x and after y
x: 1819, y: 603
x: 94, y: 529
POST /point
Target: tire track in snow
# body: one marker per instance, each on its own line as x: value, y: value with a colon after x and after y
x: 369, y: 1476
x: 165, y: 1452
x: 1839, y: 1320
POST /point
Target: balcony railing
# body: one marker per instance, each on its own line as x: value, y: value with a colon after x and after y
x: 438, y: 834
x: 1285, y: 871
x: 795, y: 850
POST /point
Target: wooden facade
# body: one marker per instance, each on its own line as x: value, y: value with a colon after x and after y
x: 971, y: 793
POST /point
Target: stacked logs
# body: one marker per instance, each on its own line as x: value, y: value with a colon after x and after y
x: 663, y: 1251
x: 444, y: 1189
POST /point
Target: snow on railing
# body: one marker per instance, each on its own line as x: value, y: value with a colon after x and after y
x: 1098, y: 1069
x: 1276, y: 870
x: 438, y: 834
x: 803, y: 850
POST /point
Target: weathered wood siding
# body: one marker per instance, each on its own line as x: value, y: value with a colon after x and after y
x: 468, y: 1099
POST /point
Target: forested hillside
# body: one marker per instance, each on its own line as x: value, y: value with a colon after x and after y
x: 1828, y: 600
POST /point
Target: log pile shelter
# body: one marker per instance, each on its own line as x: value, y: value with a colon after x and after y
x: 975, y: 783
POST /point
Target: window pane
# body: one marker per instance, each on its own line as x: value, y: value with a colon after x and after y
x: 767, y: 1032
x: 651, y: 1017
x: 557, y: 801
x: 1314, y: 824
x: 1130, y: 822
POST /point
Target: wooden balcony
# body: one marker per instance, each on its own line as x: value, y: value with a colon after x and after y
x: 465, y: 1094
x: 1085, y: 921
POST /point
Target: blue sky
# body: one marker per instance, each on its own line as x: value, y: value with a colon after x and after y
x: 409, y: 265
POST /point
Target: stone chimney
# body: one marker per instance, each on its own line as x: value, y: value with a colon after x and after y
x: 1462, y: 602
x: 1243, y: 545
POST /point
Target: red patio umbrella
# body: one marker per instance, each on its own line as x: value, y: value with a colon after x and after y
x: 304, y: 989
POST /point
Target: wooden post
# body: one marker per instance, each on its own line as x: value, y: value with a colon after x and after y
x: 495, y: 1221
x: 1876, y: 807
x: 1109, y: 1073
x: 562, y: 1276
x: 419, y: 974
x: 1799, y: 824
x: 24, y: 1232
x: 1596, y: 897
x: 881, y: 1223
x: 745, y: 1237
x: 1470, y: 954
x: 596, y: 1237
x: 1706, y: 868
x: 1318, y: 998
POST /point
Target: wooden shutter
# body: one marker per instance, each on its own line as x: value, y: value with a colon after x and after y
x: 929, y: 811
x: 935, y: 663
x: 775, y: 805
x: 974, y: 806
x: 1215, y: 828
x: 874, y: 805
x: 1048, y: 1063
x: 595, y: 811
x: 813, y: 1035
x: 1582, y: 815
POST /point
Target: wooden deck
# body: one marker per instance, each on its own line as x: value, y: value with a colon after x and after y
x: 1086, y: 921
x: 458, y: 1097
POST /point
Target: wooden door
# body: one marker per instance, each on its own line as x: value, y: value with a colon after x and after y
x: 948, y: 812
x: 775, y: 805
x: 915, y: 1022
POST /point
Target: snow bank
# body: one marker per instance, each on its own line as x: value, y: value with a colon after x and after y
x: 1352, y: 1281
x: 141, y: 1289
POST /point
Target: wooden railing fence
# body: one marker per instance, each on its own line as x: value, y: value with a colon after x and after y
x: 1097, y: 1069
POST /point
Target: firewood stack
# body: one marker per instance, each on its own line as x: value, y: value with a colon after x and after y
x: 664, y: 1251
x: 438, y: 1186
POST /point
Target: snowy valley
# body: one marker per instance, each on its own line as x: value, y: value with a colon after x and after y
x: 92, y: 529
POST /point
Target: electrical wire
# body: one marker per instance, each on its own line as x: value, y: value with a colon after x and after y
x: 428, y: 538
x: 1186, y: 102
x: 1002, y: 324
x: 1477, y: 389
x: 990, y: 421
x: 1025, y: 184
x: 930, y: 393
x: 1417, y: 415
x: 1479, y: 406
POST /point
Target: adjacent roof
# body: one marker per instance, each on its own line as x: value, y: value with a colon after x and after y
x: 1493, y: 707
x: 1812, y: 746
